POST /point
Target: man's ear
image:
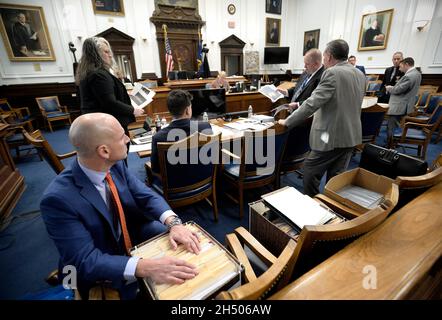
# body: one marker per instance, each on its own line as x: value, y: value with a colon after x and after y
x: 103, y: 151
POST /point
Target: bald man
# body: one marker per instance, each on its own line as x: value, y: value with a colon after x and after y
x: 308, y: 81
x: 78, y: 210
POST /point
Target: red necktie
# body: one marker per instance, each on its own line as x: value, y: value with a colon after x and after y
x: 119, y: 209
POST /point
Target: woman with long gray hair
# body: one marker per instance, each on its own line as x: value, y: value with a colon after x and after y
x: 100, y: 90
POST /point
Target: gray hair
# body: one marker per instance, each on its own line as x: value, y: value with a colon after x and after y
x: 314, y: 55
x: 398, y: 52
x: 338, y: 49
x: 91, y: 59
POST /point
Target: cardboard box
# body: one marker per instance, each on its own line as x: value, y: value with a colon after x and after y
x: 361, y: 178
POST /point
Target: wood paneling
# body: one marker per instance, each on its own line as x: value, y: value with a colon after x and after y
x: 24, y: 96
x: 12, y: 184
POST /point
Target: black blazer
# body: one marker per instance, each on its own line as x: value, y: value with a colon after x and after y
x: 161, y: 136
x: 100, y: 91
x: 308, y: 89
x: 385, y: 96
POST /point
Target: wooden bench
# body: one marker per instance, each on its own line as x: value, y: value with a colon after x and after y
x: 400, y: 259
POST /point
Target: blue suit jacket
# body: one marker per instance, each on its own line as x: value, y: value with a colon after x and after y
x: 79, y: 222
x: 186, y: 125
x: 361, y: 68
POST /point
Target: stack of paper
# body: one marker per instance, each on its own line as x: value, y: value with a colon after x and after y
x: 298, y: 208
x: 364, y: 197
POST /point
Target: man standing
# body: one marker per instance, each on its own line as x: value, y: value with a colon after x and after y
x: 336, y: 106
x: 391, y: 76
x: 96, y: 210
x: 309, y: 79
x: 352, y: 60
x: 402, y: 95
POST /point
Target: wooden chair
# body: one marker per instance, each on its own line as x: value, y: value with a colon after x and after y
x: 275, y: 278
x: 185, y: 183
x: 244, y: 172
x: 44, y: 149
x: 16, y: 116
x: 315, y: 244
x: 372, y: 77
x: 415, y: 131
x: 424, y: 92
x: 52, y: 111
x: 371, y: 122
x: 298, y: 149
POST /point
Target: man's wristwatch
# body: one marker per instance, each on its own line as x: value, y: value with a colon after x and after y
x: 175, y: 221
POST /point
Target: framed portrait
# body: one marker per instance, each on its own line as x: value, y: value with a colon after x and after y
x: 112, y: 7
x: 25, y: 33
x: 375, y: 30
x: 273, y: 31
x: 311, y: 40
x: 273, y: 6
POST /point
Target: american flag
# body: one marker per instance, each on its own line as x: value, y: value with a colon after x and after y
x: 169, y: 57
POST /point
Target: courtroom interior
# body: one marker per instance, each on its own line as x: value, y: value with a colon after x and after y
x: 220, y: 149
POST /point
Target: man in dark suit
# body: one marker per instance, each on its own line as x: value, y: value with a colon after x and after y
x: 25, y: 38
x: 179, y: 103
x: 93, y: 230
x: 391, y: 77
x: 308, y: 81
x: 352, y: 61
x: 336, y: 108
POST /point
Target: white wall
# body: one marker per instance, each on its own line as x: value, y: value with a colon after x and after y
x: 74, y: 20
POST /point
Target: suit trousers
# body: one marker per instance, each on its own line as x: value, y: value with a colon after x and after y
x: 392, y: 123
x: 317, y: 163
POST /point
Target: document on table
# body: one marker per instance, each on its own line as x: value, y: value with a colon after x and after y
x: 298, y: 208
x: 140, y: 147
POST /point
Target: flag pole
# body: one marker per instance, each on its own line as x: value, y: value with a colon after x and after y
x: 164, y: 26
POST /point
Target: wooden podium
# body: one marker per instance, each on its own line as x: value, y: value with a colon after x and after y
x: 12, y: 184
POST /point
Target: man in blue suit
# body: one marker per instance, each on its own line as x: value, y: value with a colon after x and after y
x: 352, y: 61
x: 79, y: 216
x: 179, y: 103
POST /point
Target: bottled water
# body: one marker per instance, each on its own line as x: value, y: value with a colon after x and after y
x: 157, y: 123
x: 205, y: 117
x: 250, y: 111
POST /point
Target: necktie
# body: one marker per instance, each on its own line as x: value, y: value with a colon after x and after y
x: 298, y: 92
x: 393, y: 74
x: 117, y: 204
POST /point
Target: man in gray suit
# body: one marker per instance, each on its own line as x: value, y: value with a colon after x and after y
x: 336, y: 106
x: 402, y: 95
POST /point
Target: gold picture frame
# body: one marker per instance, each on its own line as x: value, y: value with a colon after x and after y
x: 25, y: 33
x: 273, y: 31
x: 110, y: 7
x: 375, y: 30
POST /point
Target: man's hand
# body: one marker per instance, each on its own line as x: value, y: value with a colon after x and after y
x: 180, y: 234
x: 388, y: 88
x: 293, y: 106
x: 284, y: 92
x: 138, y: 112
x: 166, y: 270
x: 282, y: 122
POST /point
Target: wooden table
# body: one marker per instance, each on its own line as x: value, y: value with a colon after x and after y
x: 217, y: 126
x: 403, y: 255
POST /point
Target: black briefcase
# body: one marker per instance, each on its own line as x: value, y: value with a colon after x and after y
x: 390, y: 163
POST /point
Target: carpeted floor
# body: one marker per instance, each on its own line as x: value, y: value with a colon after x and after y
x: 27, y: 254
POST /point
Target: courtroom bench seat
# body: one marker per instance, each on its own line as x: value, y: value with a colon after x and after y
x: 400, y: 259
